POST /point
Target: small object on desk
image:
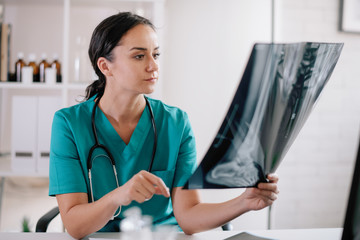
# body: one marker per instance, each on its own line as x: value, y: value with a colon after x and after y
x: 135, y: 221
x: 247, y: 236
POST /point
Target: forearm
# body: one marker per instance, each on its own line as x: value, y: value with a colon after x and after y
x: 205, y: 216
x: 194, y: 216
x: 83, y: 219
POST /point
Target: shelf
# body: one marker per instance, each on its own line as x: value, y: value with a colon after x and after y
x: 44, y: 86
x: 98, y: 3
x: 7, y: 171
x: 63, y: 27
x: 77, y: 86
x: 17, y: 85
x: 32, y: 2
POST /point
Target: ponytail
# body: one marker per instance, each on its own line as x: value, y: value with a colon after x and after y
x: 97, y: 87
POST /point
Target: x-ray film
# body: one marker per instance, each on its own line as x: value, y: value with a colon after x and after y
x: 276, y: 94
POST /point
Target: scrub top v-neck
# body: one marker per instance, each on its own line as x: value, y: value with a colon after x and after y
x: 72, y: 138
x: 110, y: 135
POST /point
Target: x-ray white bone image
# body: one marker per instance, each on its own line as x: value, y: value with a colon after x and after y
x: 278, y: 90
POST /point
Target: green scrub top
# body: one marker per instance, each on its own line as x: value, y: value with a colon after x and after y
x: 72, y: 138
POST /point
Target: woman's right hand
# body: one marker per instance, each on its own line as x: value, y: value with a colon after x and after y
x: 81, y: 218
x: 141, y: 187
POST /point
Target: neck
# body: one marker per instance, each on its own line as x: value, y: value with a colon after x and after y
x: 121, y: 108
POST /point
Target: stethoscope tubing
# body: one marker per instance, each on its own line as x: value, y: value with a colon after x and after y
x: 98, y: 145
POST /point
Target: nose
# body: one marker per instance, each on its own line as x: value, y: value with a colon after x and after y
x: 153, y: 65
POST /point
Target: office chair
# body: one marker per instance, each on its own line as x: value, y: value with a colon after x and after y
x: 43, y: 222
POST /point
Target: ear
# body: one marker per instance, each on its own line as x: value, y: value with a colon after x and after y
x: 103, y: 65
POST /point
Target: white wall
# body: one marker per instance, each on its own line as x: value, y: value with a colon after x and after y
x: 207, y: 44
x: 315, y: 174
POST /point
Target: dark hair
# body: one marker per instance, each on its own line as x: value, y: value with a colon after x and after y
x: 104, y: 38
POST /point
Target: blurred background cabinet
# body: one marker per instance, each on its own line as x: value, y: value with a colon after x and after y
x: 56, y: 28
x: 59, y: 28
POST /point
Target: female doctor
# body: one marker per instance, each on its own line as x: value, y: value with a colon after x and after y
x: 120, y: 149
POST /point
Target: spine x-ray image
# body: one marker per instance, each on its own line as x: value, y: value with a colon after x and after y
x: 276, y: 94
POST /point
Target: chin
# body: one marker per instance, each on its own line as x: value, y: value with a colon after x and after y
x: 148, y: 88
x: 149, y: 91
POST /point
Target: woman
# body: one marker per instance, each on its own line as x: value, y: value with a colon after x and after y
x: 124, y: 53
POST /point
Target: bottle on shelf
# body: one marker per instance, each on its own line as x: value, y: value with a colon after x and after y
x: 32, y: 63
x: 56, y: 65
x: 42, y: 65
x: 19, y: 64
x: 81, y: 63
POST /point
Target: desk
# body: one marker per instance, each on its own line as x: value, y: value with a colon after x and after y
x: 286, y: 234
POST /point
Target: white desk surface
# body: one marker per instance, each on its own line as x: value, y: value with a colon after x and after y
x: 286, y: 234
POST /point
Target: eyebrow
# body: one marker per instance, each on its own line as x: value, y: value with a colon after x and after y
x: 142, y: 49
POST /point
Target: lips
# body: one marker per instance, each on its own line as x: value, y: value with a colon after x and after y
x: 151, y: 79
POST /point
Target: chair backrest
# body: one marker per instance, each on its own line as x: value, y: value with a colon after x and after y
x: 43, y: 222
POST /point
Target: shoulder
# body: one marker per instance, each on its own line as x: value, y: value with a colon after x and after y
x: 168, y: 112
x: 76, y: 112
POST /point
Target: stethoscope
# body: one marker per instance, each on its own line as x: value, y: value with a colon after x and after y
x: 109, y: 155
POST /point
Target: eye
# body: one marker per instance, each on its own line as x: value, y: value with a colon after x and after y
x: 156, y: 55
x: 140, y: 56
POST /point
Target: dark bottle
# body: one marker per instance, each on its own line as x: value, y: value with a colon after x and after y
x: 56, y: 65
x: 42, y: 65
x: 35, y: 67
x: 18, y: 66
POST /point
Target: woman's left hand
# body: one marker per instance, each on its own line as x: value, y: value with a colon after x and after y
x: 263, y: 195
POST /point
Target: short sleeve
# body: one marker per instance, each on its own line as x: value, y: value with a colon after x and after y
x: 65, y: 172
x: 186, y: 162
